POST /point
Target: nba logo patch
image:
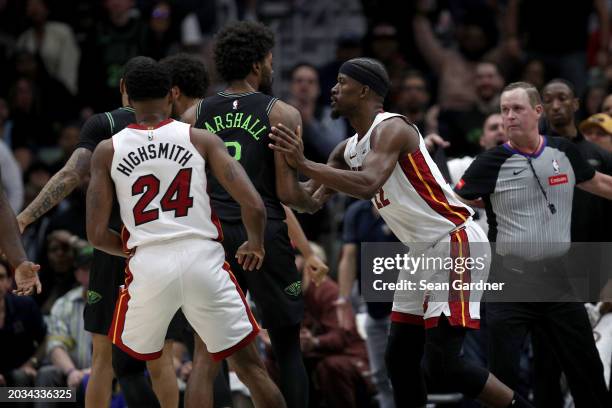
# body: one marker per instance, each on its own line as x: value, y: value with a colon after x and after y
x: 556, y: 167
x: 235, y: 105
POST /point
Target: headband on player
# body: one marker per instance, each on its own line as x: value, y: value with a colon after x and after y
x: 366, y: 77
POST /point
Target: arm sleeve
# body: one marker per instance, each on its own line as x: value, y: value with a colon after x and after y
x: 349, y: 229
x: 479, y: 178
x: 582, y: 169
x: 96, y: 129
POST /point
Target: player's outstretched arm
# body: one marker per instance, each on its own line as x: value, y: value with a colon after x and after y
x: 289, y: 190
x: 57, y: 188
x: 100, y: 202
x: 235, y: 181
x: 379, y: 163
x: 26, y: 272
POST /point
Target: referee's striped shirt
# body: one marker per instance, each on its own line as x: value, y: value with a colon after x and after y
x: 518, y: 195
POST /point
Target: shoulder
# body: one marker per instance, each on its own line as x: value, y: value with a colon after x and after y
x: 282, y: 110
x: 398, y: 134
x: 59, y: 28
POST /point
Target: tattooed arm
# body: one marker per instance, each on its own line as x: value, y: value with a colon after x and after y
x: 60, y: 185
x: 235, y: 181
x: 100, y: 202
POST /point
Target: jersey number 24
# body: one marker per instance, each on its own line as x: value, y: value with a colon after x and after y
x: 175, y: 199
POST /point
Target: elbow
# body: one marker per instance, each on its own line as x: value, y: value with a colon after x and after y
x: 367, y: 192
x: 94, y: 236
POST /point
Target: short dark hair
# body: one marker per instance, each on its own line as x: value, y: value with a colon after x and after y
x: 147, y: 80
x: 239, y: 46
x: 302, y: 64
x: 187, y: 73
x: 135, y: 62
x: 562, y: 81
x: 532, y: 92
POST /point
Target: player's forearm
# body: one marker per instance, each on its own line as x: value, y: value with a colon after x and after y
x: 61, y: 359
x: 254, y: 220
x: 58, y: 187
x: 354, y: 183
x: 296, y: 234
x: 105, y: 239
x: 10, y: 239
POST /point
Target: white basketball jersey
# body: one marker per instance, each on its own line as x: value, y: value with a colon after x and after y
x: 160, y: 182
x: 415, y: 201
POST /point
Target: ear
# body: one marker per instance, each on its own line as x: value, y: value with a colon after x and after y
x: 175, y: 92
x: 365, y: 91
x: 539, y: 109
x: 122, y: 86
x: 256, y: 68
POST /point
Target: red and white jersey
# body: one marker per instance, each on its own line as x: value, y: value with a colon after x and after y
x: 415, y: 201
x: 160, y: 182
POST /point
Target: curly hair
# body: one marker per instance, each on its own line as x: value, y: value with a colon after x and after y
x: 188, y: 73
x: 240, y: 45
x: 147, y: 79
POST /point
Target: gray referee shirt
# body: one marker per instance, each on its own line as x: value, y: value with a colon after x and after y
x: 519, y: 190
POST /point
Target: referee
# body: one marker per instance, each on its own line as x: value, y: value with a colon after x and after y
x: 527, y: 187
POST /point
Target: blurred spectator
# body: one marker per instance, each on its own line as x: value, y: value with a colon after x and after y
x: 120, y: 35
x: 463, y: 128
x: 336, y: 358
x: 592, y: 101
x: 413, y: 99
x: 383, y: 45
x: 12, y: 181
x: 534, y: 72
x: 68, y: 344
x: 348, y: 46
x: 58, y: 276
x: 363, y: 223
x: 55, y: 43
x: 68, y: 139
x: 304, y: 93
x: 456, y: 68
x: 22, y: 334
x: 57, y: 103
x: 562, y: 50
x: 606, y: 106
x: 598, y: 129
x: 162, y: 35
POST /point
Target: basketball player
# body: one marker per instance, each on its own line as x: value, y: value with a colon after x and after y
x: 107, y: 272
x: 157, y: 167
x: 241, y: 116
x: 386, y: 161
x: 26, y: 272
x: 186, y: 103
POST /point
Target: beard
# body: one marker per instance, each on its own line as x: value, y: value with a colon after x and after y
x: 266, y: 84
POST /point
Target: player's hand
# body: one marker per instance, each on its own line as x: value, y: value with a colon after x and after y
x: 289, y: 143
x: 250, y: 256
x: 26, y: 279
x: 344, y: 313
x: 316, y: 269
x: 74, y: 378
x: 433, y: 141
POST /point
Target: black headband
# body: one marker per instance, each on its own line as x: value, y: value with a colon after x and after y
x: 366, y: 77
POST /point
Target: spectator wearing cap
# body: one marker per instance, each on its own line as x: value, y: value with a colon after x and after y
x: 69, y: 345
x: 598, y: 129
x: 22, y: 334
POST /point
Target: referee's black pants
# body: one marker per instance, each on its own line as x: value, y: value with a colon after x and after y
x: 566, y: 328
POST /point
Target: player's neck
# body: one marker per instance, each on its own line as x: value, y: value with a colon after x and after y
x: 361, y: 120
x: 529, y: 144
x: 241, y: 86
x: 185, y: 104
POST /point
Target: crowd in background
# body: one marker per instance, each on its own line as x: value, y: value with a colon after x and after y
x: 61, y: 60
